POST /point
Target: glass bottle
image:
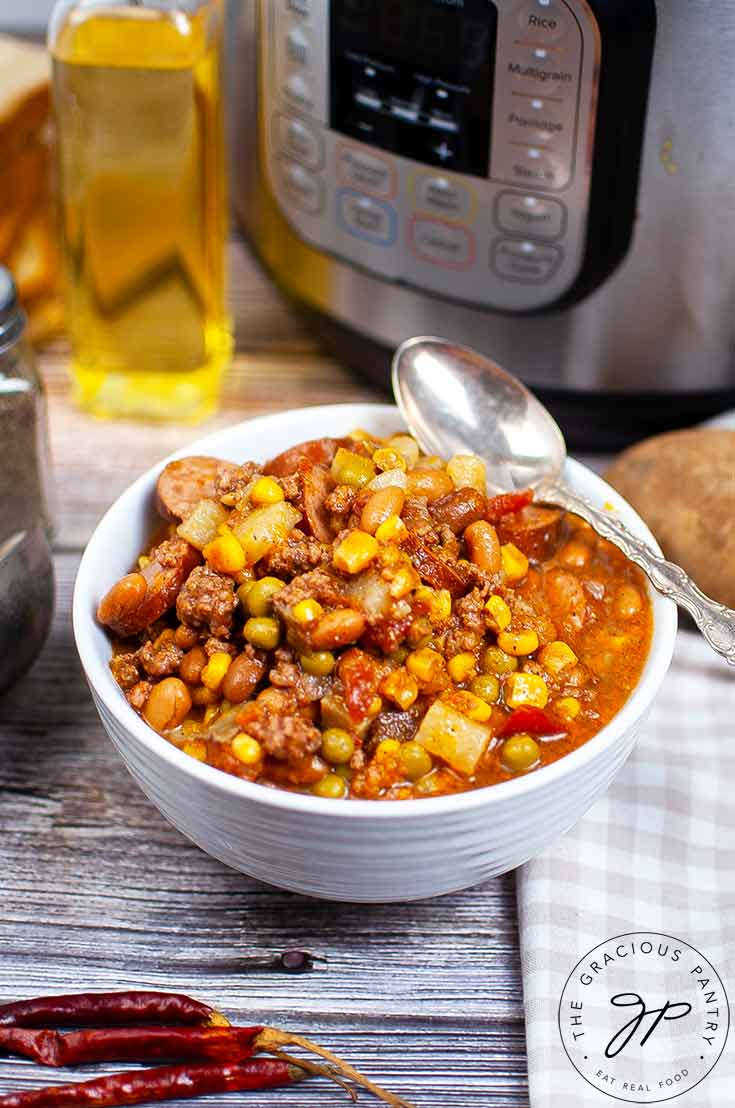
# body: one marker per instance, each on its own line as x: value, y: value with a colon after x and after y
x: 26, y: 568
x: 143, y: 221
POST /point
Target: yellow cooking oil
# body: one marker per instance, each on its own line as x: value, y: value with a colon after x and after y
x: 141, y: 182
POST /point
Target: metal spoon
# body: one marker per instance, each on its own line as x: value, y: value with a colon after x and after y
x: 454, y: 399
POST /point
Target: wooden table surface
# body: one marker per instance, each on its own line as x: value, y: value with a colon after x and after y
x: 97, y: 891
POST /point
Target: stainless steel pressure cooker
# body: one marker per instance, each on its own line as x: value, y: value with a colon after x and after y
x: 550, y: 181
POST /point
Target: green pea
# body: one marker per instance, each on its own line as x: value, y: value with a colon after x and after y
x: 487, y: 687
x: 338, y: 746
x: 496, y: 661
x: 259, y: 597
x: 520, y: 753
x: 263, y: 632
x: 319, y: 663
x: 330, y: 787
x: 415, y: 761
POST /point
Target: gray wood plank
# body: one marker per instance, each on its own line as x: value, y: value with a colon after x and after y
x: 97, y: 891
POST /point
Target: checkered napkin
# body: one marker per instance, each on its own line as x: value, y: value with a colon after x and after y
x: 656, y: 854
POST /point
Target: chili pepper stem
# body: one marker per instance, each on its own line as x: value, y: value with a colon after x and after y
x: 270, y: 1039
x: 312, y: 1067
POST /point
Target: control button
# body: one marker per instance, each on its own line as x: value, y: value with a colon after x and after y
x: 444, y: 196
x: 298, y: 91
x: 298, y: 47
x: 299, y: 7
x: 366, y: 218
x: 535, y: 119
x: 532, y: 165
x: 537, y: 78
x: 297, y: 140
x: 304, y: 190
x: 521, y: 213
x: 543, y: 20
x: 442, y: 243
x: 366, y: 172
x: 530, y: 263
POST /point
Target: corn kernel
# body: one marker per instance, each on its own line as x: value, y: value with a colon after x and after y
x: 387, y: 458
x: 143, y: 561
x: 462, y: 666
x: 403, y: 581
x: 225, y: 554
x: 468, y: 472
x: 375, y: 706
x: 425, y: 664
x: 400, y: 687
x: 568, y: 708
x: 196, y: 749
x: 247, y: 749
x: 525, y: 690
x: 392, y: 529
x: 388, y: 748
x: 515, y: 562
x: 518, y: 643
x: 469, y: 705
x: 306, y: 611
x: 191, y: 727
x: 438, y: 602
x: 557, y: 656
x: 215, y: 670
x: 265, y: 491
x: 355, y: 552
x: 498, y: 614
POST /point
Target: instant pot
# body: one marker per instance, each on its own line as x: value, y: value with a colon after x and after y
x: 549, y: 181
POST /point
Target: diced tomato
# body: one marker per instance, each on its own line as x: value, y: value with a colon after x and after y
x: 533, y: 721
x: 360, y: 678
x: 507, y: 502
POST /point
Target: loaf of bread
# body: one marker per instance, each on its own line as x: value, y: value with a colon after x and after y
x: 683, y: 485
x: 27, y: 232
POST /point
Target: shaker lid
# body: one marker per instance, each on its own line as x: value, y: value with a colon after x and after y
x: 12, y: 317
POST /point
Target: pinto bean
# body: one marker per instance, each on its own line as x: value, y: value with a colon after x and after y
x: 483, y: 546
x: 129, y: 609
x: 534, y: 529
x: 379, y: 505
x: 431, y: 483
x: 192, y: 664
x: 125, y: 596
x: 167, y: 705
x: 459, y: 509
x: 566, y: 598
x: 338, y: 628
x: 183, y: 483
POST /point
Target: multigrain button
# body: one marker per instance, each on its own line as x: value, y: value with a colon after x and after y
x: 537, y: 78
x: 366, y: 218
x: 304, y: 190
x: 521, y: 213
x: 543, y: 21
x: 529, y: 263
x: 298, y: 141
x: 444, y: 196
x: 442, y: 243
x: 366, y: 172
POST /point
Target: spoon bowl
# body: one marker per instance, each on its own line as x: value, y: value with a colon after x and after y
x: 455, y: 401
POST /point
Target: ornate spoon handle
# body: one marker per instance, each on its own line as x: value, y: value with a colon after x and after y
x: 715, y: 621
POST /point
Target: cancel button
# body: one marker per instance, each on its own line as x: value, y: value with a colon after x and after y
x: 525, y: 214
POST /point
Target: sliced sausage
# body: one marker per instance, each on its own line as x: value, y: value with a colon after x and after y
x: 317, y: 451
x: 316, y: 485
x: 183, y: 483
x: 535, y: 530
x: 458, y: 509
x: 139, y: 599
x: 432, y: 569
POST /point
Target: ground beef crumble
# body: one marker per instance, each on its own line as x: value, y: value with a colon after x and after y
x: 161, y: 660
x: 207, y: 599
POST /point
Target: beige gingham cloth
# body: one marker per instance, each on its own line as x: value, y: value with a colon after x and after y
x: 656, y: 854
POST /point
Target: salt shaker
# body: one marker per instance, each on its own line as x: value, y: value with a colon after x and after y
x: 26, y: 567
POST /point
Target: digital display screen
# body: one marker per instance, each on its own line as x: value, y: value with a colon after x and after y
x: 415, y: 77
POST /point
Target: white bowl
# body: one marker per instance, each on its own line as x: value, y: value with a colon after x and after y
x: 355, y: 850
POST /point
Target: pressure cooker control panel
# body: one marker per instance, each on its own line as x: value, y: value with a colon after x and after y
x: 444, y: 144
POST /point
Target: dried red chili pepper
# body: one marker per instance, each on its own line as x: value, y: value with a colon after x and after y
x: 110, y: 1010
x: 507, y: 502
x: 532, y: 721
x: 162, y: 1083
x: 131, y: 1044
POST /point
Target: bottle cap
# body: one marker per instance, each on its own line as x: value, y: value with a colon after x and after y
x: 12, y: 316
